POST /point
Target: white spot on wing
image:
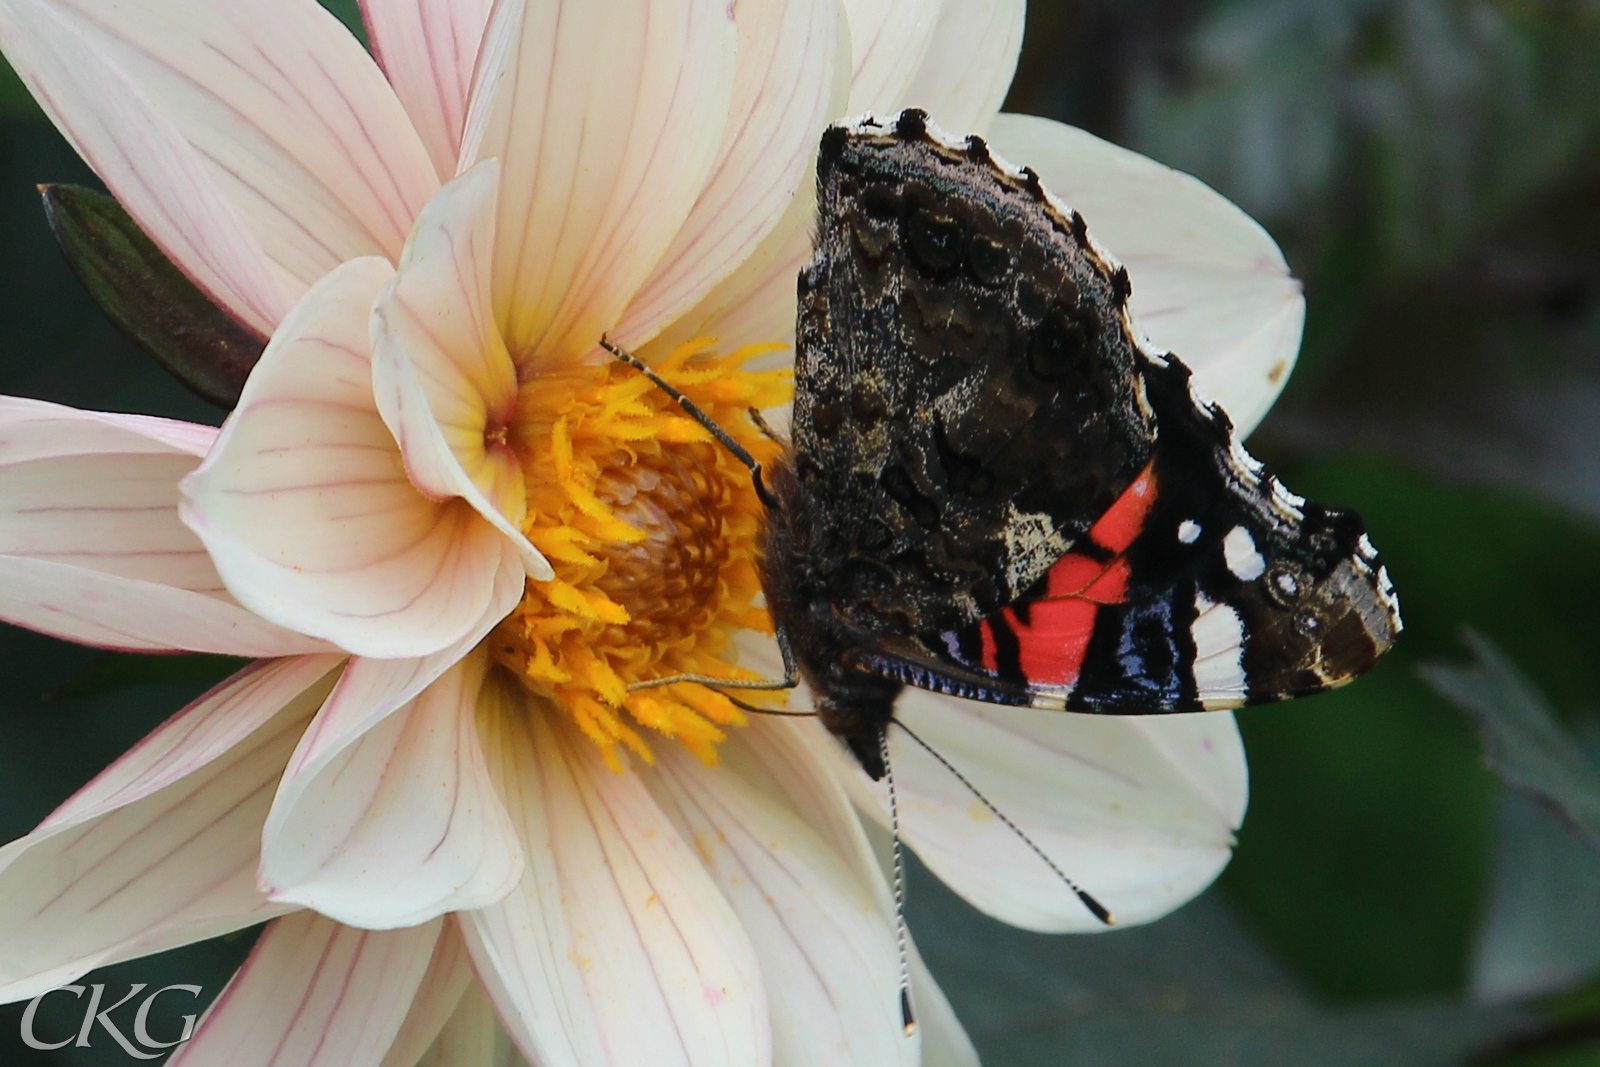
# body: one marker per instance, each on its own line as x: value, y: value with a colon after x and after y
x: 1239, y: 549
x: 1188, y: 531
x: 1219, y: 654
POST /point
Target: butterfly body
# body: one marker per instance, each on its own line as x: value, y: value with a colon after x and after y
x: 994, y: 491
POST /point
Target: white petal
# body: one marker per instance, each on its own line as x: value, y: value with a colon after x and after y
x: 295, y: 122
x: 428, y: 49
x: 444, y: 383
x: 1208, y: 282
x: 604, y: 157
x: 161, y: 848
x: 314, y: 994
x: 304, y: 502
x: 447, y: 996
x: 404, y: 825
x: 792, y: 77
x: 91, y: 547
x: 827, y: 949
x: 617, y: 948
x: 889, y: 39
x: 969, y: 63
x: 168, y: 186
x: 1139, y: 811
x: 756, y: 303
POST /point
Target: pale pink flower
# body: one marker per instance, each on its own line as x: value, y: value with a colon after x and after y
x: 443, y: 823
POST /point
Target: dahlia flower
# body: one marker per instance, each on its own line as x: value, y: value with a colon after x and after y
x: 452, y: 534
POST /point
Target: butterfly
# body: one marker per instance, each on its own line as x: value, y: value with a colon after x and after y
x: 995, y: 490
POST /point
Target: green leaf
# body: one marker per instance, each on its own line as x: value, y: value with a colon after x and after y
x: 1524, y: 742
x: 1366, y: 855
x: 148, y: 297
x: 1196, y: 989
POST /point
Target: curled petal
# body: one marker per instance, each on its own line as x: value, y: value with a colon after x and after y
x: 889, y: 39
x: 91, y: 547
x: 1139, y: 811
x: 444, y: 383
x: 816, y: 924
x: 1208, y: 282
x: 401, y: 826
x: 428, y: 49
x: 967, y: 70
x: 603, y: 161
x: 314, y: 994
x: 305, y: 505
x: 791, y: 80
x: 134, y: 145
x: 616, y: 948
x: 161, y: 848
x: 294, y: 121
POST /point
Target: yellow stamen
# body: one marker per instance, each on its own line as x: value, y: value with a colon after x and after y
x: 651, y: 527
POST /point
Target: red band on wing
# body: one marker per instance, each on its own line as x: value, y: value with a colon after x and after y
x: 1117, y: 528
x: 1053, y: 642
x: 991, y: 651
x: 1051, y: 646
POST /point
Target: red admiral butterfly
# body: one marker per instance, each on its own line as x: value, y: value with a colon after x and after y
x: 993, y: 491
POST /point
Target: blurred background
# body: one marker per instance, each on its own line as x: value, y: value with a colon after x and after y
x: 1418, y: 879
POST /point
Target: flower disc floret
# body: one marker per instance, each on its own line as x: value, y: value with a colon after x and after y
x: 651, y: 526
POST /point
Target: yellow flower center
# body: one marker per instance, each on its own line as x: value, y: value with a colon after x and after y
x: 651, y: 528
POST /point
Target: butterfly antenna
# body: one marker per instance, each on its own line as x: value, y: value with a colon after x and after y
x: 693, y: 411
x: 907, y: 1019
x: 1097, y: 909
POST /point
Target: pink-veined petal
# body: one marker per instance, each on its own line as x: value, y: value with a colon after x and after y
x: 1139, y: 811
x: 372, y: 689
x: 444, y: 383
x: 305, y: 505
x: 889, y: 39
x: 405, y: 824
x: 792, y: 76
x: 91, y: 547
x: 967, y: 69
x: 616, y: 948
x: 755, y: 304
x: 428, y: 49
x: 163, y: 181
x: 782, y: 756
x: 603, y: 159
x: 161, y: 848
x: 295, y: 122
x: 1208, y: 282
x: 314, y: 993
x: 826, y: 947
x: 441, y: 998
